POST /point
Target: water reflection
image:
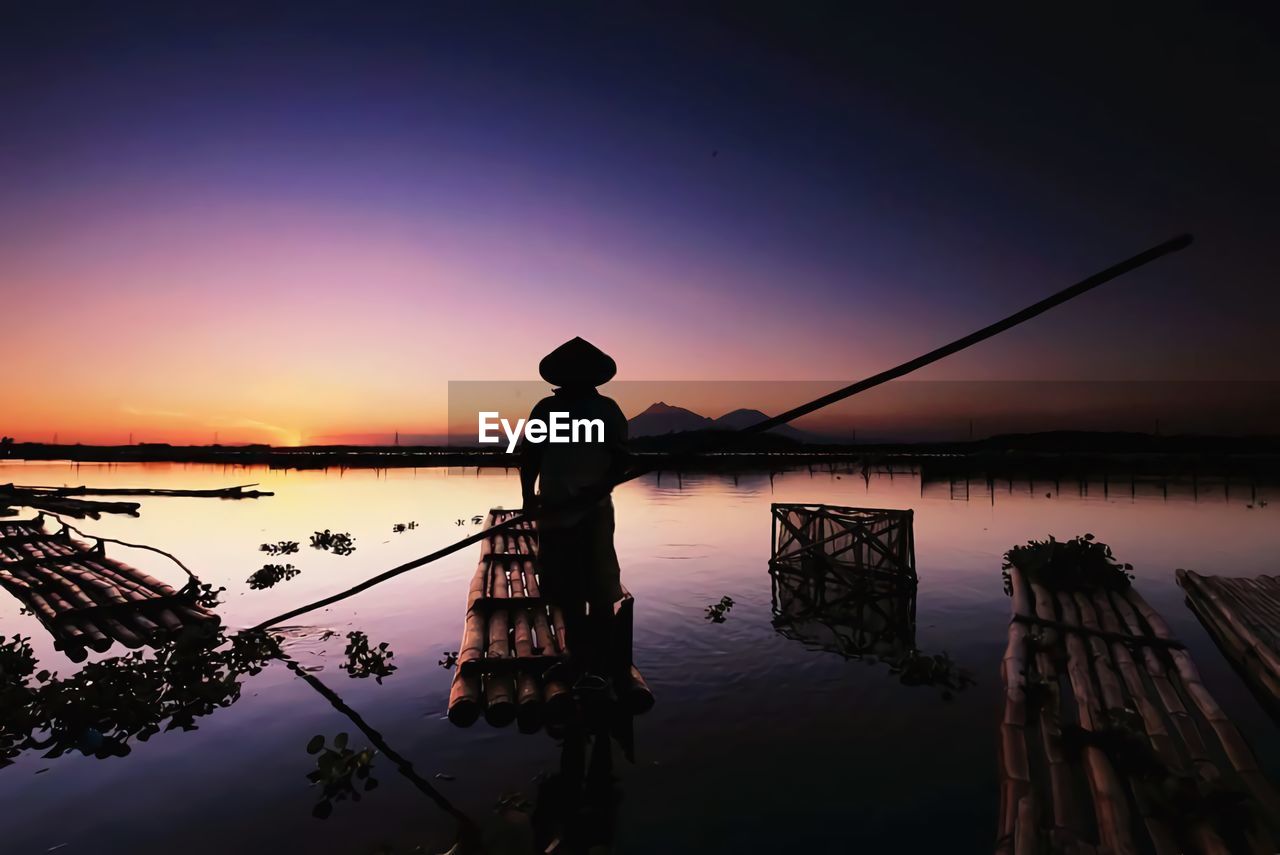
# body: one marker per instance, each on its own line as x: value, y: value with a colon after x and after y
x: 707, y: 756
x: 107, y: 704
x: 840, y: 611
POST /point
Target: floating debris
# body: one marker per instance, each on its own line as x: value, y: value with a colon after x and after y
x: 365, y: 661
x: 400, y: 528
x: 271, y: 575
x: 280, y: 547
x: 339, y: 543
x: 916, y: 668
x: 718, y: 612
x: 449, y: 661
x: 341, y: 772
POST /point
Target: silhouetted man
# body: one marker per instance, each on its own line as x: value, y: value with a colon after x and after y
x: 579, y: 566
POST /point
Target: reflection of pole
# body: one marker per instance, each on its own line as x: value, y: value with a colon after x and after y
x: 468, y: 832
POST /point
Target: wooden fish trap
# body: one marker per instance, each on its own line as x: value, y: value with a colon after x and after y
x: 1110, y: 742
x: 87, y: 600
x: 512, y: 635
x: 1243, y: 616
x: 869, y: 542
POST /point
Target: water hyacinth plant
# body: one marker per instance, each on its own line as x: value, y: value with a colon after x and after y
x: 341, y: 772
x: 281, y: 547
x: 339, y: 543
x: 366, y: 661
x: 271, y: 575
x: 1081, y: 563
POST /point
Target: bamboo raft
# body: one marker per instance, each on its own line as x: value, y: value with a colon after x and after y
x: 1110, y: 742
x: 1243, y: 616
x: 87, y: 600
x: 512, y: 635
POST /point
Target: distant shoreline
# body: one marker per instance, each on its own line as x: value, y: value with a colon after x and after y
x: 1057, y: 451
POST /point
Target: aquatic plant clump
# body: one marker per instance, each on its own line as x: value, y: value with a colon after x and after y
x: 939, y: 670
x: 203, y: 594
x: 339, y: 543
x: 366, y: 661
x: 719, y: 612
x: 341, y: 772
x: 1082, y: 563
x: 281, y: 547
x: 101, y: 708
x: 271, y: 575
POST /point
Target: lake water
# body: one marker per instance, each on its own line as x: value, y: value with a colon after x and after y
x: 757, y: 741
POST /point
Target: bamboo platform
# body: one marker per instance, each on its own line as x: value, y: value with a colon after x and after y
x: 87, y: 600
x: 512, y: 635
x: 1110, y: 742
x: 1243, y: 616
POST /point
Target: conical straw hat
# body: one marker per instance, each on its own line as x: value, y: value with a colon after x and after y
x: 577, y: 362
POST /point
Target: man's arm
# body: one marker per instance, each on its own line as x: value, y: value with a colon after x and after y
x: 531, y: 461
x: 619, y: 453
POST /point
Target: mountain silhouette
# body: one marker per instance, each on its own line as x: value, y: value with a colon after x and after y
x: 739, y: 419
x: 662, y: 418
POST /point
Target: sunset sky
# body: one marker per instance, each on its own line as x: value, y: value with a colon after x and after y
x: 286, y: 225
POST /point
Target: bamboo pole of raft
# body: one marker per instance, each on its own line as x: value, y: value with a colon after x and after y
x: 555, y: 694
x: 1208, y: 840
x: 1068, y: 824
x: 1188, y: 733
x: 1016, y: 785
x: 1236, y: 635
x: 499, y: 689
x: 79, y: 598
x: 1162, y: 838
x: 238, y: 492
x: 1153, y: 720
x: 1167, y: 689
x: 1237, y: 750
x: 528, y: 692
x: 109, y: 595
x: 1110, y: 804
x: 1237, y: 648
x: 1254, y: 592
x: 464, y: 691
x: 1025, y: 840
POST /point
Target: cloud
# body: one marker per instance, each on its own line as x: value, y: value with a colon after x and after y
x: 164, y: 414
x: 288, y: 436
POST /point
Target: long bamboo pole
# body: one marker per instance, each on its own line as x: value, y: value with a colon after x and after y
x: 1085, y: 285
